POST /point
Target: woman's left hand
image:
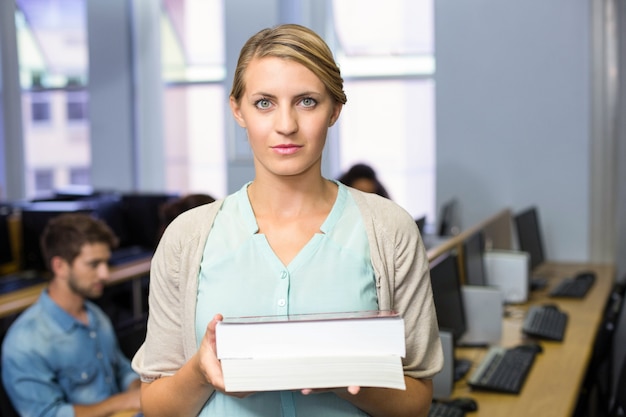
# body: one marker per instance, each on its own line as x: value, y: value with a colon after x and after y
x: 353, y: 389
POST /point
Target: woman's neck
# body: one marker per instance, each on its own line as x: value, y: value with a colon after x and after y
x: 292, y: 197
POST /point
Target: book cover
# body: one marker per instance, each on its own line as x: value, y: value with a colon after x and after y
x: 312, y: 350
x: 348, y: 333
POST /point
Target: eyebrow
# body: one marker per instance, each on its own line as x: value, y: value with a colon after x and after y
x: 303, y: 94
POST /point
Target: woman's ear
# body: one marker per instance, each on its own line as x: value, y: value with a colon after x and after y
x: 235, y: 108
x: 335, y: 114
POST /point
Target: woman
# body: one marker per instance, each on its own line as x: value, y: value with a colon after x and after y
x: 363, y: 177
x: 288, y: 242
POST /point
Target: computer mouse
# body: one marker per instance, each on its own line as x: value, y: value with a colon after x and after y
x: 535, y: 347
x: 586, y: 275
x: 465, y: 403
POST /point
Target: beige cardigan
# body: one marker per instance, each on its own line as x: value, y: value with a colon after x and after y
x: 398, y: 258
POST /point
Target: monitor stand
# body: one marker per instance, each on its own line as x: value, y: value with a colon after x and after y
x: 538, y: 283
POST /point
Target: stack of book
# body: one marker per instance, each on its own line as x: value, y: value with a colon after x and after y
x: 270, y: 353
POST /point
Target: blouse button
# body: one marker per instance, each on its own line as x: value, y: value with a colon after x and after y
x: 281, y: 302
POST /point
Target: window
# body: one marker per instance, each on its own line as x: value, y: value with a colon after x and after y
x: 44, y: 181
x: 40, y: 108
x: 80, y: 176
x: 76, y: 108
x: 52, y: 54
x: 194, y: 72
x: 385, y: 52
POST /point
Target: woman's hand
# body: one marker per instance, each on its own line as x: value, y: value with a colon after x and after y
x: 353, y: 389
x: 210, y: 366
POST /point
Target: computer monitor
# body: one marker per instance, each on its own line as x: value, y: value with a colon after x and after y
x: 421, y: 222
x: 141, y: 214
x: 35, y: 217
x: 447, y: 295
x: 449, y: 306
x: 6, y: 251
x: 473, y: 260
x: 529, y: 235
x: 448, y: 219
x: 109, y: 208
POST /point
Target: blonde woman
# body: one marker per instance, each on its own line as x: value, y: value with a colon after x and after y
x: 288, y: 242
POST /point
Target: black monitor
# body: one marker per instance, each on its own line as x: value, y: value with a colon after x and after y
x: 109, y: 208
x: 448, y: 219
x: 35, y: 217
x: 529, y: 235
x: 447, y: 295
x: 421, y: 222
x: 6, y: 251
x: 143, y: 221
x: 473, y: 260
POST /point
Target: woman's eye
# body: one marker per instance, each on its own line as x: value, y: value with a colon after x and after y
x: 262, y: 104
x: 308, y: 102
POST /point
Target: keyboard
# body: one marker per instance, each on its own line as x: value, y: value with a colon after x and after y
x: 576, y: 287
x: 504, y: 370
x: 545, y: 322
x: 438, y: 409
x: 10, y: 283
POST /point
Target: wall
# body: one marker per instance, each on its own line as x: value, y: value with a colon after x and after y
x: 513, y: 94
x: 12, y: 183
x: 620, y: 225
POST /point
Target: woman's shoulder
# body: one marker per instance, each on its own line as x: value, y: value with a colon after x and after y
x: 380, y: 206
x: 192, y: 220
x: 201, y: 211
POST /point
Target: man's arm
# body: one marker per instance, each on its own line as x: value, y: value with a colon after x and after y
x: 128, y: 400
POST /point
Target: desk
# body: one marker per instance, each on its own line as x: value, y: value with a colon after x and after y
x: 553, y: 384
x: 17, y: 301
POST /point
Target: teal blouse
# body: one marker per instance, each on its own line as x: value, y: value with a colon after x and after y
x: 241, y: 276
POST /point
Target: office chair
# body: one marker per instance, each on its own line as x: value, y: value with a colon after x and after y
x: 618, y: 409
x: 596, y: 391
x: 618, y: 379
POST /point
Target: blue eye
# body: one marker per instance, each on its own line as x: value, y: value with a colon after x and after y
x: 308, y: 102
x: 262, y: 104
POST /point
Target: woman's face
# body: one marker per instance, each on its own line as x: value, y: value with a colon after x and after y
x: 364, y: 184
x: 286, y: 111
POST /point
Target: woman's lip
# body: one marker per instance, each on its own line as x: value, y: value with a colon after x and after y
x: 286, y: 149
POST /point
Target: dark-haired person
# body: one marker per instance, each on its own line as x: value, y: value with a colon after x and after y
x: 61, y: 357
x: 363, y: 177
x: 171, y: 209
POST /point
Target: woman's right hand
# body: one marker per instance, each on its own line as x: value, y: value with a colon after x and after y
x: 209, y: 365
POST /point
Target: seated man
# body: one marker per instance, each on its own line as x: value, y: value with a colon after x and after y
x: 61, y: 357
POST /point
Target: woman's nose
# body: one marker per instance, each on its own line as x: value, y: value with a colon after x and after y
x: 286, y: 121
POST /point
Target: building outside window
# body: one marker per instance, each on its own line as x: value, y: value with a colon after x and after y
x: 44, y: 181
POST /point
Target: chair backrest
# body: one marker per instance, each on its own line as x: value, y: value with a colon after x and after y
x: 619, y: 402
x: 618, y: 380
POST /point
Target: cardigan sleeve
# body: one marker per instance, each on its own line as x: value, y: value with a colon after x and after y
x: 170, y: 337
x: 402, y: 272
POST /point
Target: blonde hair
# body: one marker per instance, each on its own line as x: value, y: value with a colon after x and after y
x: 297, y: 43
